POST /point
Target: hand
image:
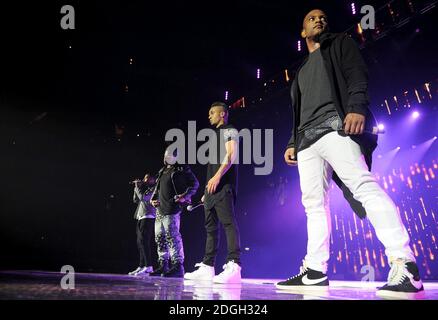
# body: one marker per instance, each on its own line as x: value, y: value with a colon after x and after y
x: 289, y: 157
x: 354, y: 123
x: 203, y: 198
x: 213, y: 183
x: 180, y: 199
x: 155, y: 203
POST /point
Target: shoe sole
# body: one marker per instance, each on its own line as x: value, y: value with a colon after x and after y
x: 303, y: 288
x: 400, y: 295
x: 198, y: 279
x: 228, y: 282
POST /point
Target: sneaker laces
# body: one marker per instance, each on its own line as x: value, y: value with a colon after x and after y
x: 398, y: 272
x: 229, y: 267
x: 303, y: 270
x: 200, y: 265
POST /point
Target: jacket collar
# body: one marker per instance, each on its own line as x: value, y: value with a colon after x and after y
x: 325, y: 39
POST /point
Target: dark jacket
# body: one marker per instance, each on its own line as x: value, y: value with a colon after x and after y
x: 183, y: 182
x: 348, y: 77
x: 142, y: 196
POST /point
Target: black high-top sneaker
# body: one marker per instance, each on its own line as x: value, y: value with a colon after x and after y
x: 307, y: 279
x: 403, y: 281
x: 177, y: 271
x: 163, y: 267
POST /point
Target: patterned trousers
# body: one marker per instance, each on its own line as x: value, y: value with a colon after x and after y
x: 168, y: 238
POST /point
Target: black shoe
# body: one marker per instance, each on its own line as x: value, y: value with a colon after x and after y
x: 161, y: 270
x: 403, y: 281
x: 177, y: 271
x: 307, y: 279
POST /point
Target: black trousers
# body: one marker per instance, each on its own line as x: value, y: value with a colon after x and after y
x: 223, y: 212
x: 145, y: 234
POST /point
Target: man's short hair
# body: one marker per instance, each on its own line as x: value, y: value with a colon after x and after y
x: 220, y: 104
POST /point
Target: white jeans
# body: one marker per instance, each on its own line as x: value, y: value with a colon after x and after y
x: 343, y: 155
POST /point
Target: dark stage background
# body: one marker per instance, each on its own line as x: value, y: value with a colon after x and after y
x: 79, y: 119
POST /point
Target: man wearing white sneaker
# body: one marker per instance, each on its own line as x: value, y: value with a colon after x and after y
x: 331, y: 136
x: 219, y: 201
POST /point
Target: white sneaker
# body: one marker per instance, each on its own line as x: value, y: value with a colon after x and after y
x: 144, y: 272
x: 231, y: 274
x: 132, y: 273
x: 204, y: 272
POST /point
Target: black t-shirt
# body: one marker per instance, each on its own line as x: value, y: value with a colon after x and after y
x: 318, y: 115
x: 316, y: 96
x: 224, y: 134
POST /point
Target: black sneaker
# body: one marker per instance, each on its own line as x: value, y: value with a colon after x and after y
x: 307, y: 279
x: 177, y: 271
x: 403, y: 281
x: 161, y: 270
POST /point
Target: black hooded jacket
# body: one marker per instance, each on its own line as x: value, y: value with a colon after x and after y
x: 348, y: 76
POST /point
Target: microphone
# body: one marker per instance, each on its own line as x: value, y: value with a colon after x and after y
x: 191, y: 208
x: 375, y: 130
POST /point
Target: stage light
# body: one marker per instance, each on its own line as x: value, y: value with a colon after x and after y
x: 258, y: 73
x: 226, y: 95
x: 434, y: 138
x: 398, y: 148
x: 299, y: 45
x: 415, y: 114
x: 381, y: 126
x: 286, y: 75
x: 353, y: 8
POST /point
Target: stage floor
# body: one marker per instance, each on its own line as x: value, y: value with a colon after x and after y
x: 25, y: 285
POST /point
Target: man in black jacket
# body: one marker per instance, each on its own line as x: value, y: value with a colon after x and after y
x: 175, y: 186
x: 332, y: 136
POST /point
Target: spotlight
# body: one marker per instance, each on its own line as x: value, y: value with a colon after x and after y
x: 415, y: 114
x: 398, y: 148
x: 381, y: 126
x: 434, y: 138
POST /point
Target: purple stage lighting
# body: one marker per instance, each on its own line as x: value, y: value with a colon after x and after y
x: 415, y: 114
x: 258, y: 73
x: 381, y: 126
x: 299, y: 45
